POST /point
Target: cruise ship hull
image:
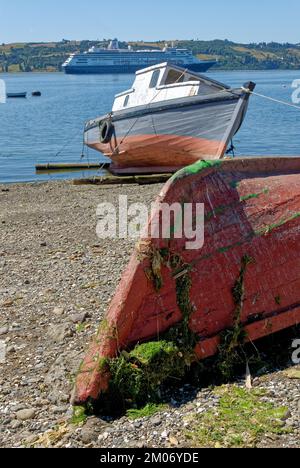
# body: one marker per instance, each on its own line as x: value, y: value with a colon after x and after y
x: 113, y: 69
x: 166, y: 137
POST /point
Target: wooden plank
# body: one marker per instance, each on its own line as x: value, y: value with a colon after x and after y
x: 115, y: 180
x: 70, y: 166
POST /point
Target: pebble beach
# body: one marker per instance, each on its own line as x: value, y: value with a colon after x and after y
x: 56, y: 282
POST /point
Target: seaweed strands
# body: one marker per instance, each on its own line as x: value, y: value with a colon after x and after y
x: 233, y: 339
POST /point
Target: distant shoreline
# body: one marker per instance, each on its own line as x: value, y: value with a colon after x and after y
x: 49, y: 57
x: 33, y: 72
x: 214, y: 70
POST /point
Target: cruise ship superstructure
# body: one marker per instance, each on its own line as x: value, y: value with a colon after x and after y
x: 116, y: 60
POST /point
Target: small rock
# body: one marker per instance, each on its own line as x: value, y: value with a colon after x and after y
x: 15, y: 424
x: 104, y: 436
x: 31, y: 440
x: 57, y: 397
x: 3, y: 331
x: 58, y: 333
x: 19, y: 407
x: 88, y: 435
x: 286, y: 416
x: 64, y: 398
x: 173, y: 441
x: 40, y: 403
x: 291, y: 423
x: 43, y: 244
x: 26, y: 414
x: 39, y: 366
x: 78, y: 318
x: 59, y: 311
x: 60, y: 409
x: 8, y: 303
x: 156, y: 421
x: 140, y: 445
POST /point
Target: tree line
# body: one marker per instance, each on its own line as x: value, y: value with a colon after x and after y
x: 30, y: 57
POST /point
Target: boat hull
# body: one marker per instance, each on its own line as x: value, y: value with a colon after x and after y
x: 252, y: 240
x: 170, y: 136
x: 201, y: 67
x: 16, y: 95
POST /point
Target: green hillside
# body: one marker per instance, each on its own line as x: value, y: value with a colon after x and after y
x: 30, y: 57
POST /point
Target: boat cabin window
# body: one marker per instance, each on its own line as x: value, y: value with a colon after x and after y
x: 126, y: 101
x: 174, y: 77
x: 154, y: 79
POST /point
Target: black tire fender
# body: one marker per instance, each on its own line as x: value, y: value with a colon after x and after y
x: 106, y: 131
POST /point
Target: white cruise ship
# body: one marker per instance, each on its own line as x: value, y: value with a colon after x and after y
x: 116, y: 60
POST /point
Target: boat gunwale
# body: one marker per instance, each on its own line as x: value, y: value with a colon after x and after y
x: 242, y: 166
x: 156, y: 107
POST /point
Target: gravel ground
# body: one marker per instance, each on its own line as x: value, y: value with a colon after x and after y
x: 56, y: 281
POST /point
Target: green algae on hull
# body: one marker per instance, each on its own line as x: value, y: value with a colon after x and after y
x: 268, y: 229
x: 196, y: 168
x: 79, y: 415
x: 251, y: 196
x: 137, y: 376
x: 232, y: 339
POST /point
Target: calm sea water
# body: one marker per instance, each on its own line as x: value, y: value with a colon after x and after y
x: 49, y: 128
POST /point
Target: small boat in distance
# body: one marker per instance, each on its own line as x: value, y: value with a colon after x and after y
x: 169, y: 119
x: 16, y: 95
x: 36, y: 93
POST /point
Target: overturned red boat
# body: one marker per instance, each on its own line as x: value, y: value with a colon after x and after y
x: 252, y: 240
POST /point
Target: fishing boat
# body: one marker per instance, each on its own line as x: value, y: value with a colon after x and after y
x: 169, y: 119
x: 16, y: 95
x: 242, y: 284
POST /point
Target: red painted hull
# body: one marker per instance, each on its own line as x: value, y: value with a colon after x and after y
x: 252, y: 209
x: 158, y: 153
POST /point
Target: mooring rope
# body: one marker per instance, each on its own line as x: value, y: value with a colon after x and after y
x: 269, y: 98
x: 100, y: 172
x: 248, y: 91
x: 69, y: 142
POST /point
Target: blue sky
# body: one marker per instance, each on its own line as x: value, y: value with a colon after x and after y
x: 240, y: 21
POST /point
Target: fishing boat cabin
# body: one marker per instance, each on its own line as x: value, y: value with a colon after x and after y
x: 165, y: 82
